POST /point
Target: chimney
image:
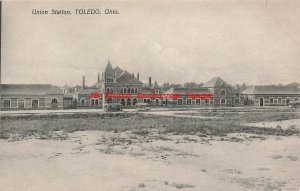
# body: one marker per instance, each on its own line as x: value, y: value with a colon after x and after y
x: 98, y: 77
x: 138, y: 76
x: 83, y: 82
x: 150, y: 82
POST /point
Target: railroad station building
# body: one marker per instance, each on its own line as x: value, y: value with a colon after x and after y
x: 270, y: 95
x: 30, y: 96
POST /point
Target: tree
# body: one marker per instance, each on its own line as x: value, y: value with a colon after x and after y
x: 190, y: 85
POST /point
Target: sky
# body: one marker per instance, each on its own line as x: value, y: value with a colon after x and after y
x: 252, y: 42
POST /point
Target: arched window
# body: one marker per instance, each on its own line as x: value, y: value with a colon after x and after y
x: 82, y: 102
x: 107, y: 90
x: 92, y: 102
x: 132, y: 90
x: 134, y: 101
x: 111, y: 90
x: 223, y: 93
x: 128, y: 101
x: 136, y: 90
x: 123, y: 101
x: 125, y: 90
x: 96, y: 102
x: 121, y: 90
x: 54, y: 102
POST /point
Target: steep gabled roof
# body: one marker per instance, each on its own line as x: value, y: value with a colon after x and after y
x: 29, y: 89
x: 215, y: 82
x: 109, y: 71
x: 253, y: 90
x: 118, y: 71
x: 126, y: 77
x: 155, y: 85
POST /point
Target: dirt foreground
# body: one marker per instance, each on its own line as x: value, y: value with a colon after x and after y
x: 96, y: 160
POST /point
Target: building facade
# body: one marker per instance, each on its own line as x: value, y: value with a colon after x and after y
x: 30, y: 96
x: 270, y: 95
x: 224, y: 95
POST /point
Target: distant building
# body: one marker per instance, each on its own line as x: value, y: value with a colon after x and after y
x: 270, y: 95
x: 119, y: 81
x: 89, y: 97
x: 30, y: 96
x: 224, y: 95
x: 183, y: 100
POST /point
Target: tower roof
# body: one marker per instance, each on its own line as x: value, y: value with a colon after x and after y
x: 109, y: 71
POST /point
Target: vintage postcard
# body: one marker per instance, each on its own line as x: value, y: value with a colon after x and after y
x: 150, y: 95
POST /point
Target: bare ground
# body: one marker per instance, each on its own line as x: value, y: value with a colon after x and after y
x: 137, y: 152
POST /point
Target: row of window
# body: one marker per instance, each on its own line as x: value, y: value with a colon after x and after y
x: 93, y: 102
x: 35, y: 103
x: 279, y: 100
x: 129, y: 101
x: 189, y: 101
x: 122, y: 90
x: 109, y: 79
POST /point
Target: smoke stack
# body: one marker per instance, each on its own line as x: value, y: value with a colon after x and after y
x: 150, y: 82
x: 83, y: 82
x: 138, y: 76
x: 98, y: 77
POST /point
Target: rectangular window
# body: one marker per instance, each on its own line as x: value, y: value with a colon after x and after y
x: 271, y: 100
x: 206, y: 101
x: 279, y: 100
x: 179, y: 101
x: 6, y: 103
x: 287, y: 100
x: 147, y: 100
x: 35, y: 103
x: 189, y: 101
x: 223, y: 101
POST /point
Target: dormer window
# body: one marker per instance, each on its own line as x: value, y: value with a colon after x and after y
x: 157, y: 91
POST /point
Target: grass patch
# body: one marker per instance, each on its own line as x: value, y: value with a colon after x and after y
x: 45, y: 126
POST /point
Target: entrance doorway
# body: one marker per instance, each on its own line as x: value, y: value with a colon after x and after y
x: 261, y: 101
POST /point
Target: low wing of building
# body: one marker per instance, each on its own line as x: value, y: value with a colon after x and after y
x: 30, y: 96
x: 271, y: 95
